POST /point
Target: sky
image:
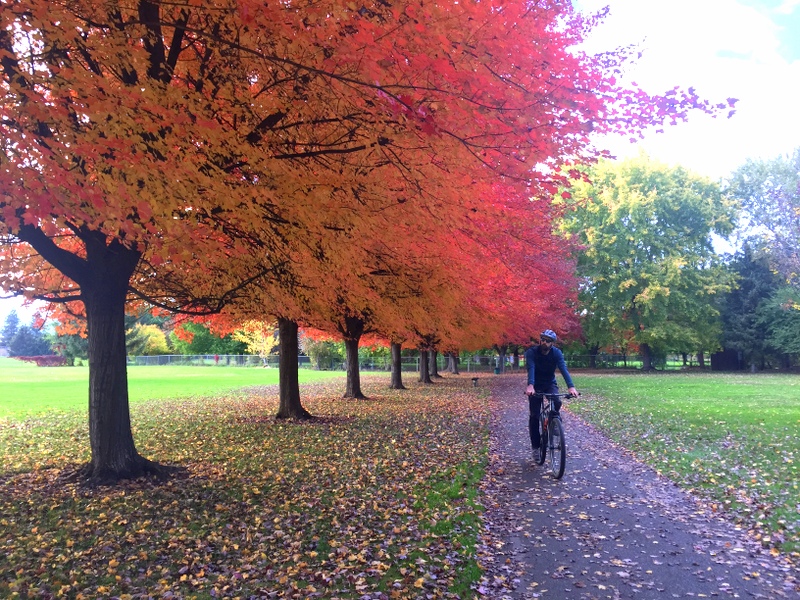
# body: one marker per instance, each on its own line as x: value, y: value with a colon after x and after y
x: 745, y: 49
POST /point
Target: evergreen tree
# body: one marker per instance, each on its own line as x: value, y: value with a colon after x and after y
x: 28, y: 341
x: 10, y: 328
x: 744, y: 307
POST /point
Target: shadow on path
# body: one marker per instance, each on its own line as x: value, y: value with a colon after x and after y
x: 612, y: 528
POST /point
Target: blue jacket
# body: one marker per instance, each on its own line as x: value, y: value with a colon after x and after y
x: 542, y: 367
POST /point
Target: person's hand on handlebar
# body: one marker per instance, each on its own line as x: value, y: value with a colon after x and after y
x: 573, y: 392
x: 529, y: 390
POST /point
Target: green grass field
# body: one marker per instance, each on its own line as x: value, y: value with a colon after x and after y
x: 386, y: 489
x: 375, y: 494
x: 733, y: 439
x: 31, y: 390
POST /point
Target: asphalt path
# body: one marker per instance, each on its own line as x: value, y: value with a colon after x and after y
x: 611, y: 528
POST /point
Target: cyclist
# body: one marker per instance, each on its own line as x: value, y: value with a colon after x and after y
x: 542, y: 362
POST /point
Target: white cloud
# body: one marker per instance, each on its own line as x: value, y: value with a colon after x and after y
x: 787, y: 7
x: 723, y: 49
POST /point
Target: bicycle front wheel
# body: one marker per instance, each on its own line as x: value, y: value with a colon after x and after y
x: 558, y: 449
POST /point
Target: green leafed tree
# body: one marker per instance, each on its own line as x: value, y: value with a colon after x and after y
x: 649, y: 274
x: 196, y: 338
x: 769, y: 191
x: 780, y: 318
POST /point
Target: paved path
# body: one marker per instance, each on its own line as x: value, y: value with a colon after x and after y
x: 612, y: 528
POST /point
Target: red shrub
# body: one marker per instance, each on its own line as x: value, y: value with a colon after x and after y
x: 52, y: 360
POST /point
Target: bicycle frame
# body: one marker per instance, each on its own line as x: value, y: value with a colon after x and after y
x: 551, y: 434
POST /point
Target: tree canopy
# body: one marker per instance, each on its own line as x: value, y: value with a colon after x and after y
x: 649, y: 274
x: 769, y: 192
x: 184, y: 153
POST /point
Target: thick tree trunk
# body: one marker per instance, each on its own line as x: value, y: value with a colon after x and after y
x: 104, y: 290
x: 353, y: 373
x: 424, y: 373
x: 289, y: 406
x: 352, y: 329
x: 103, y: 275
x: 397, y: 367
x: 701, y: 359
x: 433, y: 357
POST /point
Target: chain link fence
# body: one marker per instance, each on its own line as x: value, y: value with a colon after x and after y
x: 470, y: 364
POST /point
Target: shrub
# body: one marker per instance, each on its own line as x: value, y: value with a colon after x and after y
x: 50, y: 360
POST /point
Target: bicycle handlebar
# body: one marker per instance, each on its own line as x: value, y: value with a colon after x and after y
x: 559, y: 395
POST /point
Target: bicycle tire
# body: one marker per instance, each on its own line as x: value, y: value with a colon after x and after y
x: 558, y: 448
x: 542, y: 440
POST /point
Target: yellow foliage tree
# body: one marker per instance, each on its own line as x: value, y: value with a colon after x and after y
x: 260, y: 337
x: 146, y: 340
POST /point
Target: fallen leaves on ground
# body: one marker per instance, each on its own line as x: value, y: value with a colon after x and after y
x: 372, y: 499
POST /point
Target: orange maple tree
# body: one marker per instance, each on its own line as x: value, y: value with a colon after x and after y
x: 182, y: 153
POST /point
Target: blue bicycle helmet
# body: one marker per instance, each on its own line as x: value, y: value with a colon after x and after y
x: 549, y: 334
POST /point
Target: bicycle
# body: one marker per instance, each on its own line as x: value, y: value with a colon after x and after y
x: 551, y: 434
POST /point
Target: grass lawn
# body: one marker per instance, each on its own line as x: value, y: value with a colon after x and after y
x: 734, y: 439
x: 375, y: 495
x: 31, y: 390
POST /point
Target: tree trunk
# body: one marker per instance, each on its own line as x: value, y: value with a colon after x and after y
x: 501, y: 359
x: 289, y: 406
x: 424, y: 374
x: 593, y: 351
x: 516, y: 359
x: 452, y: 363
x: 104, y: 290
x: 647, y: 359
x: 353, y: 374
x: 701, y: 359
x: 397, y: 367
x: 433, y: 357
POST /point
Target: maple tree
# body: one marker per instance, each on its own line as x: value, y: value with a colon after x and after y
x: 649, y: 272
x: 179, y: 153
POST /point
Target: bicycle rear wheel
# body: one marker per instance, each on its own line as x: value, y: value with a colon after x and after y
x: 542, y: 440
x: 558, y: 449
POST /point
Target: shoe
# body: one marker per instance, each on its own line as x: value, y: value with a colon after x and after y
x: 536, y: 454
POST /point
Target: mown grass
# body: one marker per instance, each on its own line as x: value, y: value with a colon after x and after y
x: 30, y: 390
x: 372, y: 496
x: 734, y: 439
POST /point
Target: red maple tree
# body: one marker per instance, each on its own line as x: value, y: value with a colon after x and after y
x: 182, y: 153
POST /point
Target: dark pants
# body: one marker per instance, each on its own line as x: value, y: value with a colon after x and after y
x: 535, y: 405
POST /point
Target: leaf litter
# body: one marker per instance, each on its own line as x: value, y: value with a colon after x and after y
x: 372, y: 499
